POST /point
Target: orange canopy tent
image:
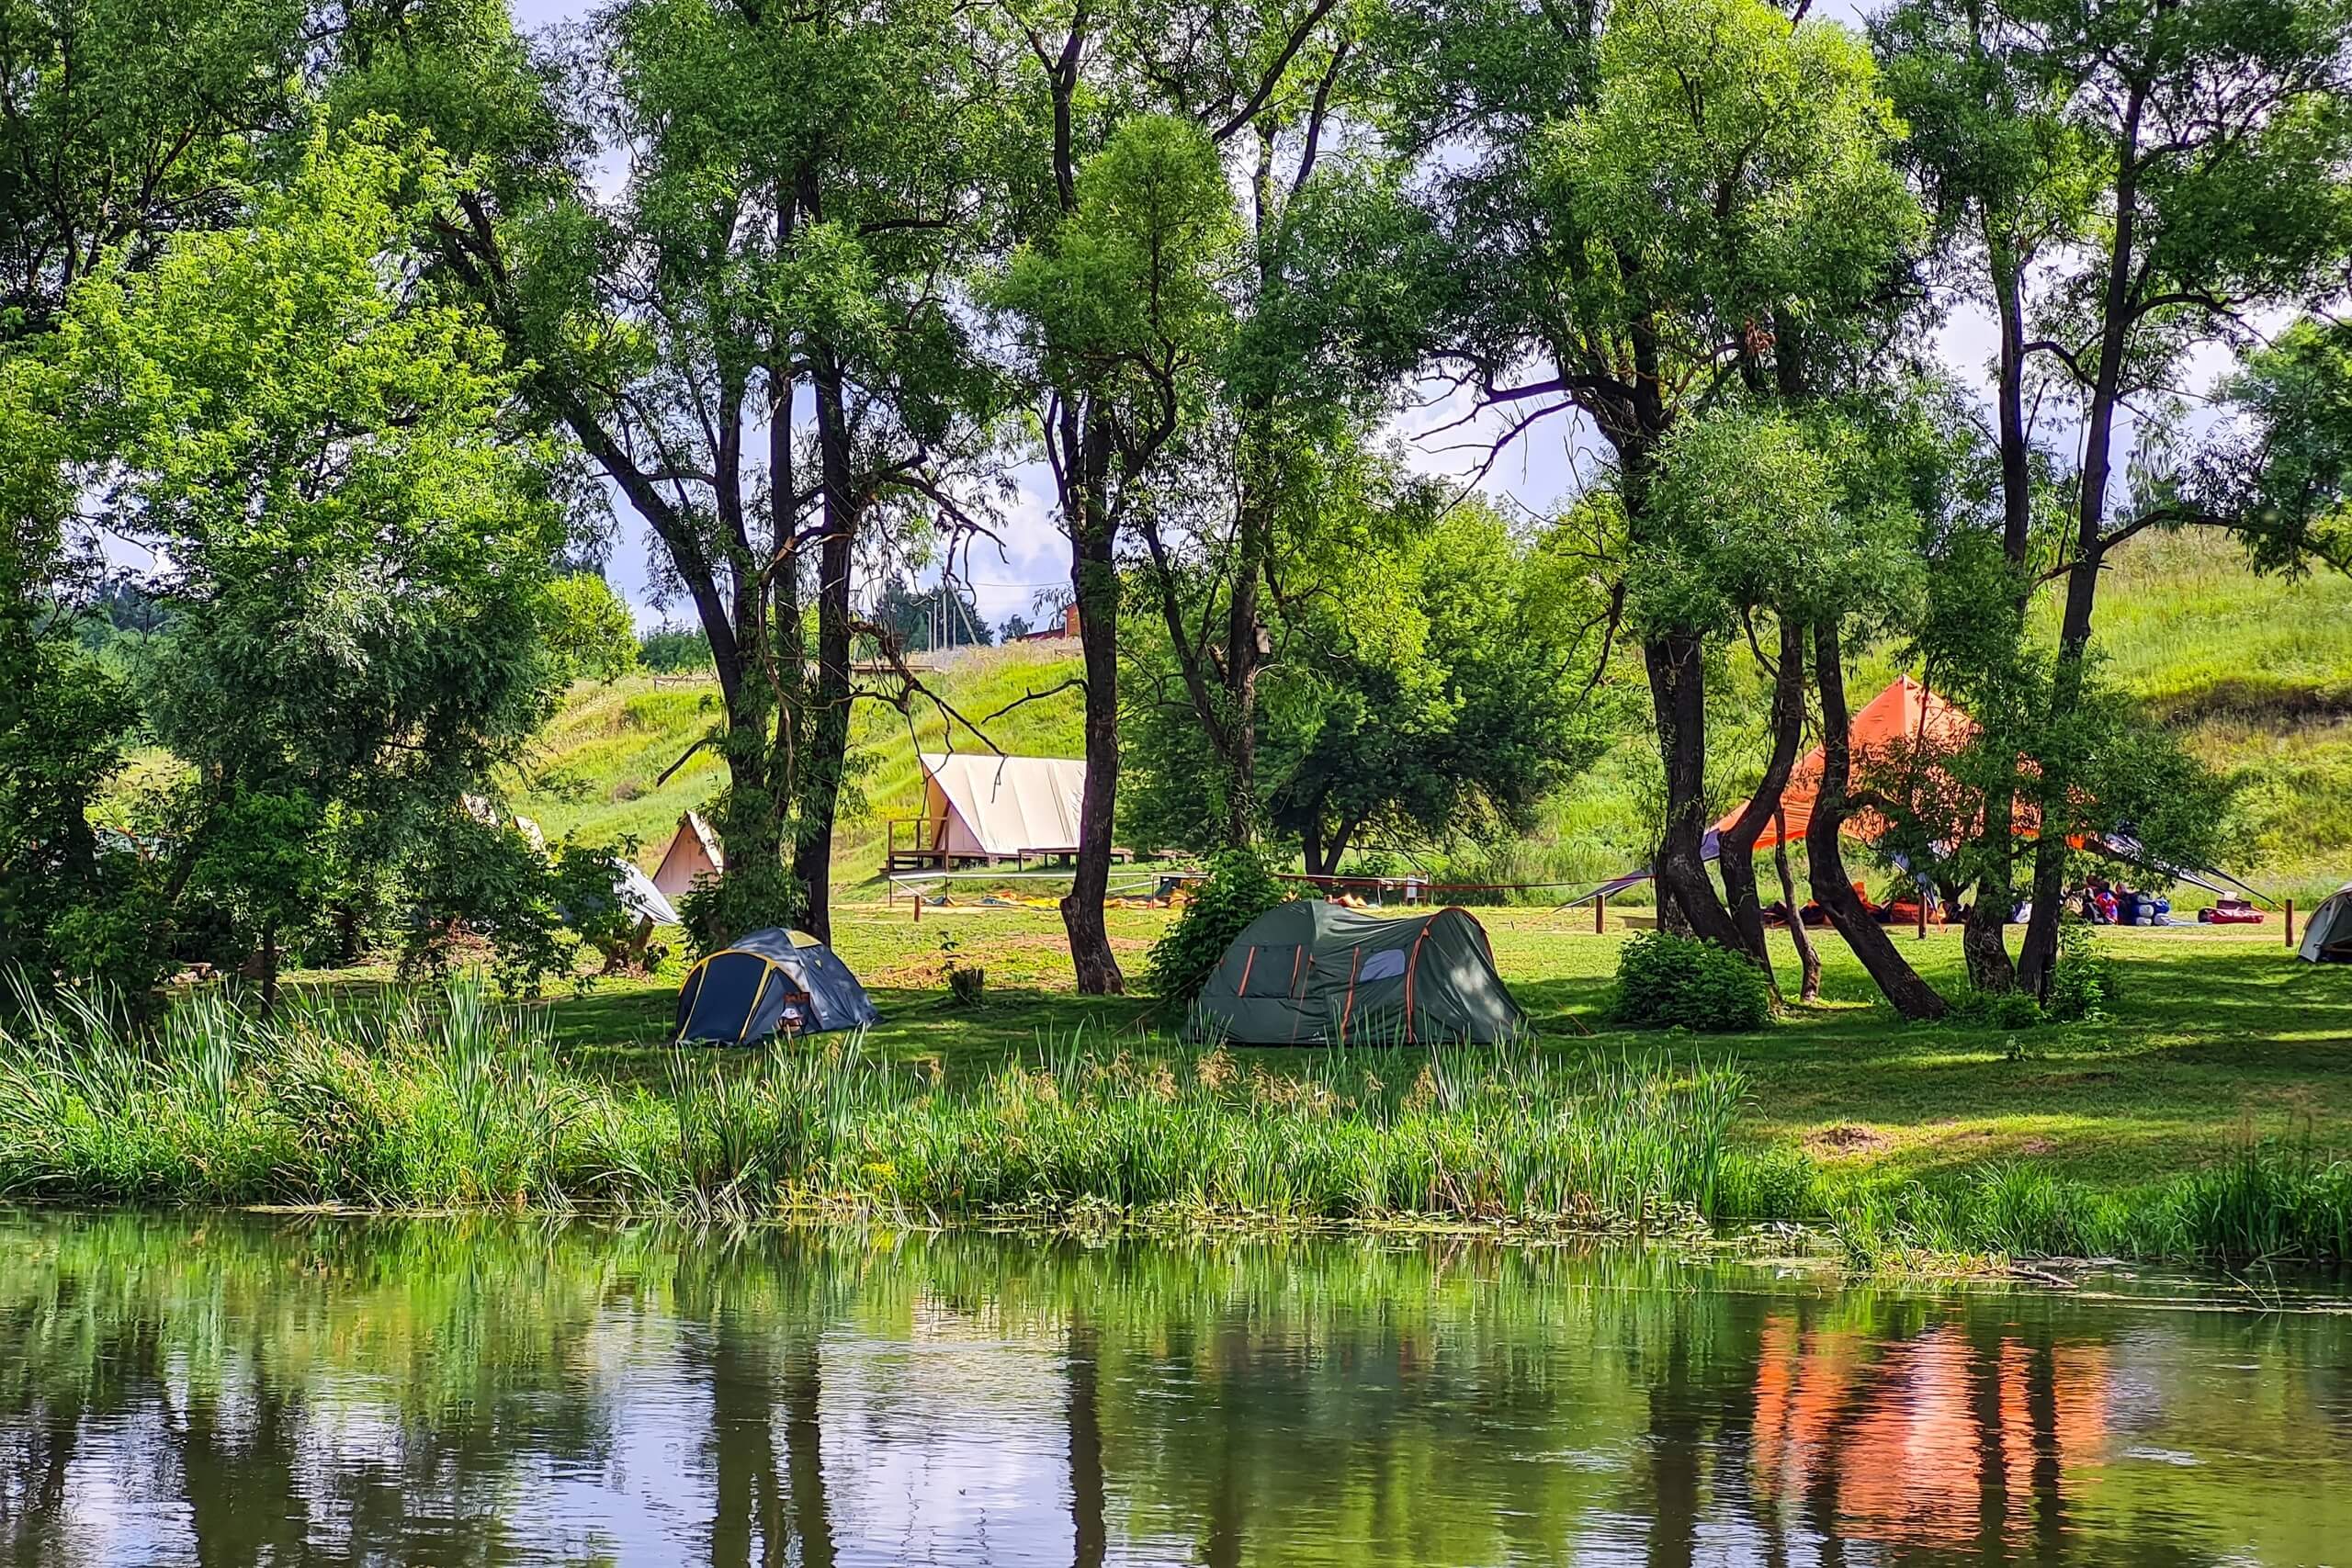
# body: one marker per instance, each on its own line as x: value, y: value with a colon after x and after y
x: 1904, y: 715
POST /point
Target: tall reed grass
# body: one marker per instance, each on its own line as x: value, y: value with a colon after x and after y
x: 431, y: 1100
x: 2268, y: 1201
x: 407, y: 1101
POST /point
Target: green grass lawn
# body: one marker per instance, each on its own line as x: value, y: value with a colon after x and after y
x: 2221, y: 1035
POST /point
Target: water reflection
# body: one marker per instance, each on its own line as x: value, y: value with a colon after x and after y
x: 235, y: 1391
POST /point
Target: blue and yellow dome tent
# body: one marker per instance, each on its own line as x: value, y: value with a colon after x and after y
x: 769, y: 981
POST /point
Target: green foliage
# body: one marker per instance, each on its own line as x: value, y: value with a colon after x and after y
x: 1238, y: 888
x: 1997, y: 1009
x: 671, y: 650
x: 717, y: 909
x: 2273, y: 1202
x: 1124, y: 298
x: 588, y: 629
x: 2284, y: 476
x: 483, y: 884
x: 2083, y: 986
x: 355, y: 545
x: 1665, y: 981
x: 1435, y: 690
x: 187, y: 93
x: 1731, y: 163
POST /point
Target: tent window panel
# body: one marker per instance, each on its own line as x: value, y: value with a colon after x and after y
x: 1386, y: 965
x: 1269, y: 972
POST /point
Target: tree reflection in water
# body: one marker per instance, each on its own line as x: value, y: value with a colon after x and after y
x: 236, y: 1390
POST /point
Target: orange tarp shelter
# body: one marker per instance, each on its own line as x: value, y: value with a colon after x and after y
x: 1905, y: 714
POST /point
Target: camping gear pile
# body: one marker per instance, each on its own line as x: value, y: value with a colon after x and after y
x: 1311, y: 972
x: 771, y: 982
x: 2231, y: 911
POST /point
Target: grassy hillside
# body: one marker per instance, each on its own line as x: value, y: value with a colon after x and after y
x: 2257, y: 672
x: 599, y: 761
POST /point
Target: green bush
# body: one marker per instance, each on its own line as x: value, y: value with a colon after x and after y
x: 1997, y: 1009
x: 1669, y: 981
x: 2082, y: 983
x: 1238, y: 888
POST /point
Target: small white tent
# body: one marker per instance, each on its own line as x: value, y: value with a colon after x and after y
x: 983, y: 806
x: 694, y: 852
x: 640, y: 896
x: 2328, y: 938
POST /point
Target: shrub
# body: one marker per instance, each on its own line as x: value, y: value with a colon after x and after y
x: 1669, y: 981
x: 966, y: 983
x: 2082, y: 983
x: 1997, y: 1009
x: 1238, y: 888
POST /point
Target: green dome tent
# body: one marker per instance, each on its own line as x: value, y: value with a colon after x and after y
x: 1311, y: 972
x: 2328, y: 938
x: 771, y: 980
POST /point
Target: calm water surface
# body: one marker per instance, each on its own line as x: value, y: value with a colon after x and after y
x: 242, y: 1390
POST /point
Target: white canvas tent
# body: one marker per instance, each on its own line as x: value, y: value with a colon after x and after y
x: 694, y: 851
x: 2328, y: 938
x: 640, y: 896
x: 979, y: 806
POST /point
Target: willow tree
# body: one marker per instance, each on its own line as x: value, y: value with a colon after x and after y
x: 1119, y: 298
x: 756, y: 337
x: 1328, y: 288
x: 1711, y: 212
x: 2138, y: 177
x: 1804, y: 519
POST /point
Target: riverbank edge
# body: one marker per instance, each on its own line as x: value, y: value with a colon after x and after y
x: 417, y: 1104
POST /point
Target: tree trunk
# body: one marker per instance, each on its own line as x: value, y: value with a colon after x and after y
x: 824, y: 748
x: 1678, y: 697
x: 1254, y: 545
x: 1735, y: 847
x: 1983, y: 937
x: 2017, y: 473
x: 1912, y: 996
x: 1808, y: 957
x: 1090, y: 1533
x: 804, y: 1458
x: 2039, y: 956
x: 1095, y: 580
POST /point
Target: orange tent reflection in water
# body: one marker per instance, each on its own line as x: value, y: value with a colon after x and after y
x: 1931, y: 1441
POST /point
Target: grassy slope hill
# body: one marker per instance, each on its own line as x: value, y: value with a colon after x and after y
x: 2259, y: 671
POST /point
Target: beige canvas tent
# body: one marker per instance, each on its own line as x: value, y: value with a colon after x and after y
x: 981, y: 806
x: 693, y: 852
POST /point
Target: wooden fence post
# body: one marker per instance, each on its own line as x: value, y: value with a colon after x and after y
x: 2290, y: 922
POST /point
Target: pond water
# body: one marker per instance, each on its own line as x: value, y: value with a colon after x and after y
x: 242, y: 1389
